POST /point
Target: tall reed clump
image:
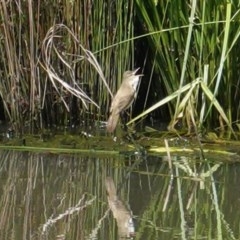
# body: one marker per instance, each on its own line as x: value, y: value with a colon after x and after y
x: 54, y: 56
x: 17, y: 63
x: 191, y: 41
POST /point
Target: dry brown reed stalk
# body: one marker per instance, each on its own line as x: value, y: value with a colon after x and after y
x: 51, y: 45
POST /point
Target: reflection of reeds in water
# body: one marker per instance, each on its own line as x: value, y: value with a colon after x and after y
x: 122, y: 215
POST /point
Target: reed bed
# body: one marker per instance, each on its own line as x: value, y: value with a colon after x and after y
x: 61, y: 61
x: 50, y: 75
x: 189, y: 41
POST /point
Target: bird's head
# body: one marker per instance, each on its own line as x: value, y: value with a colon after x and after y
x: 132, y: 78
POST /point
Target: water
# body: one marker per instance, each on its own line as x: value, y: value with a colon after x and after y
x: 51, y: 196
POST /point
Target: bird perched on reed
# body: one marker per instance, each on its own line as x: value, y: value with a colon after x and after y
x: 124, y: 97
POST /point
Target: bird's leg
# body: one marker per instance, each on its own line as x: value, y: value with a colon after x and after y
x: 123, y: 121
x: 128, y: 133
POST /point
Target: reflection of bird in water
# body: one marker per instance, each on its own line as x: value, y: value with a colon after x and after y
x: 122, y: 215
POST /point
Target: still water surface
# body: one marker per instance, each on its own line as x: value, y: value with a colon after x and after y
x: 50, y: 196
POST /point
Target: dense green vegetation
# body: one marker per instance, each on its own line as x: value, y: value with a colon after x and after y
x: 59, y: 60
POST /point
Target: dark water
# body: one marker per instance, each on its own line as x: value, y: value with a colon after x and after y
x: 50, y: 196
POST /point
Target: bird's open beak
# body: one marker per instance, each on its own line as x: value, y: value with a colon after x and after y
x: 135, y: 71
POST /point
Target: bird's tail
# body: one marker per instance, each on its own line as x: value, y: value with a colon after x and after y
x: 112, y: 122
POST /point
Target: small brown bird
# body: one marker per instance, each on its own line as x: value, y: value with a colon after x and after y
x: 123, y: 98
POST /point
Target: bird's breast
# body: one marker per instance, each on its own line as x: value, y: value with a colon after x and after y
x: 134, y: 82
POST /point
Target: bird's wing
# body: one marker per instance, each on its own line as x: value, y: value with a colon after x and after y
x: 121, y: 102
